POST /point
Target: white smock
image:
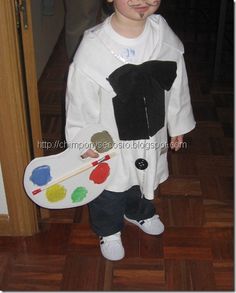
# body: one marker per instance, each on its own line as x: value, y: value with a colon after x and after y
x: 89, y: 99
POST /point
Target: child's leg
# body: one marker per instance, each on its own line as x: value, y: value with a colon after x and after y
x: 107, y: 212
x: 137, y: 207
x: 107, y: 220
x: 141, y: 212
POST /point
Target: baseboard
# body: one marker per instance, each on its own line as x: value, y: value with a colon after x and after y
x: 5, y: 229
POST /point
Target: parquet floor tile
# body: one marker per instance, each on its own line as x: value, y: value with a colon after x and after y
x: 53, y: 240
x: 34, y: 273
x: 181, y: 186
x: 222, y: 246
x: 151, y: 247
x: 196, y: 204
x: 192, y: 212
x: 216, y: 146
x: 82, y: 272
x: 210, y: 165
x: 183, y: 164
x: 226, y: 187
x: 83, y: 239
x: 210, y: 187
x: 190, y: 275
x: 68, y: 215
x: 224, y: 275
x: 218, y: 214
x: 131, y: 241
x: 4, y: 262
x: 137, y: 274
x: 187, y: 243
x: 178, y: 275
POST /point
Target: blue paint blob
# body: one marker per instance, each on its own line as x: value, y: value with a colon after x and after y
x: 41, y: 175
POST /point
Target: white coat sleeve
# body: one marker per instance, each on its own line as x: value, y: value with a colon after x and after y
x: 180, y: 119
x: 82, y: 102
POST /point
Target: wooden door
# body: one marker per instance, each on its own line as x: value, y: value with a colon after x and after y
x: 25, y: 33
x: 20, y: 128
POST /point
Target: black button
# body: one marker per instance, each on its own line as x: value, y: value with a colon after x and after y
x: 141, y: 164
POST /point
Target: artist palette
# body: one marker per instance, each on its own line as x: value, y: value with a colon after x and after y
x: 66, y: 180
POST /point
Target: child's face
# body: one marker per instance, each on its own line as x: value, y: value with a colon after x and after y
x: 135, y: 9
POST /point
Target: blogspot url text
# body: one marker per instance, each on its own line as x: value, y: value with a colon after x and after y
x: 135, y: 145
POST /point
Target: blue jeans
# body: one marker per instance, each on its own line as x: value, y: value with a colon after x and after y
x: 108, y: 209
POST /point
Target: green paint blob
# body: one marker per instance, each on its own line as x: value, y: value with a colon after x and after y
x: 55, y: 193
x: 79, y: 194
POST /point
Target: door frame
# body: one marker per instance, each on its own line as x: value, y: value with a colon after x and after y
x: 19, y: 131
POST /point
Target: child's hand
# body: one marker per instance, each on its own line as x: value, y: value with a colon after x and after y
x: 176, y: 142
x: 89, y: 154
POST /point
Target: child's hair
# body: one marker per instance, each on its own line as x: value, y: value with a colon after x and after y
x: 107, y: 7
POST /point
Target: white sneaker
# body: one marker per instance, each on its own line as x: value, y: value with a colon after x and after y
x: 111, y: 247
x: 152, y: 226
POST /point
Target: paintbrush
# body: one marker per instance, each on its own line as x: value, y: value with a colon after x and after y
x: 75, y: 172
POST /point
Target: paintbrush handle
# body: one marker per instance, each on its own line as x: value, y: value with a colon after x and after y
x: 73, y: 173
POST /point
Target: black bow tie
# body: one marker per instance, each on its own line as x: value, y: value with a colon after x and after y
x: 139, y: 105
x: 134, y: 81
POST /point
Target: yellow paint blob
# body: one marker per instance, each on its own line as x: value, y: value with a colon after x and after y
x: 55, y: 193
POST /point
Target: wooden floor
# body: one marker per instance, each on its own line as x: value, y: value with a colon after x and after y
x: 196, y: 251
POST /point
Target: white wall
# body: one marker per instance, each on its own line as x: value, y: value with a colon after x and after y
x: 3, y: 202
x: 46, y: 30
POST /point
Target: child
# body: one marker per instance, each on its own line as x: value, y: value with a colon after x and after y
x: 129, y: 74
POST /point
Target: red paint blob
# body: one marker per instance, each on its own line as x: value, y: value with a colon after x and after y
x: 100, y: 173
